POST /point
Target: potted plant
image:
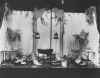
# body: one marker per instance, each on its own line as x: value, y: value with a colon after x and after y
x: 82, y: 38
x: 13, y: 37
x: 75, y: 57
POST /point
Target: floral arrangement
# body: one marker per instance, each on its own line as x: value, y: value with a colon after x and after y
x: 76, y: 57
x: 89, y: 15
x: 82, y: 38
x: 13, y: 36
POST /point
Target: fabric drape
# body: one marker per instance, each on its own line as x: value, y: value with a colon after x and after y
x: 76, y: 22
x: 18, y: 20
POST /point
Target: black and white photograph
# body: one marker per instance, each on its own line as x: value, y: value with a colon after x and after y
x: 51, y: 34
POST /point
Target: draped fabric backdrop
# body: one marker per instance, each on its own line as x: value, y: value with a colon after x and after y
x: 37, y: 14
x: 44, y: 41
x: 44, y: 30
x: 73, y: 23
x: 19, y: 20
x: 76, y: 22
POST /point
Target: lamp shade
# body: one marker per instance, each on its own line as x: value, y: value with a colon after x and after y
x: 56, y: 36
x: 37, y: 36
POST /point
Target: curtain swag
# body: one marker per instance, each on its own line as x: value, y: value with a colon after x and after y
x: 89, y: 15
x: 38, y: 13
x: 59, y: 13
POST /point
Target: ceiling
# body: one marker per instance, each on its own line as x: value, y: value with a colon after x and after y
x: 68, y: 5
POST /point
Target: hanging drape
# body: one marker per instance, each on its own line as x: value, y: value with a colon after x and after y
x: 94, y: 35
x: 38, y: 13
x: 60, y: 13
x: 19, y: 20
x: 2, y: 30
x: 73, y: 26
x: 44, y: 41
x: 76, y: 22
x: 23, y: 20
x: 2, y: 38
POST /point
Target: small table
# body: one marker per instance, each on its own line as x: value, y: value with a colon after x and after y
x: 88, y: 52
x: 3, y: 55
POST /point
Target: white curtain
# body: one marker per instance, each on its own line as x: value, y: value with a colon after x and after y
x: 23, y: 20
x: 76, y: 22
x: 59, y: 13
x: 44, y: 31
x: 2, y: 39
x: 73, y: 26
x: 20, y: 20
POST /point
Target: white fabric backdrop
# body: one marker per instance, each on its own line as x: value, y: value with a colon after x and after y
x: 18, y: 20
x: 44, y: 31
x: 76, y: 22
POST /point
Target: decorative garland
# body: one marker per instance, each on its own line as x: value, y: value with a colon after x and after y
x: 43, y: 22
x: 89, y: 15
x: 8, y: 12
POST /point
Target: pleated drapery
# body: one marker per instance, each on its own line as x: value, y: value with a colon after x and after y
x: 75, y: 23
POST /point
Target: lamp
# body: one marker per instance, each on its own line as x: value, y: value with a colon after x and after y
x: 37, y: 36
x: 56, y: 35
